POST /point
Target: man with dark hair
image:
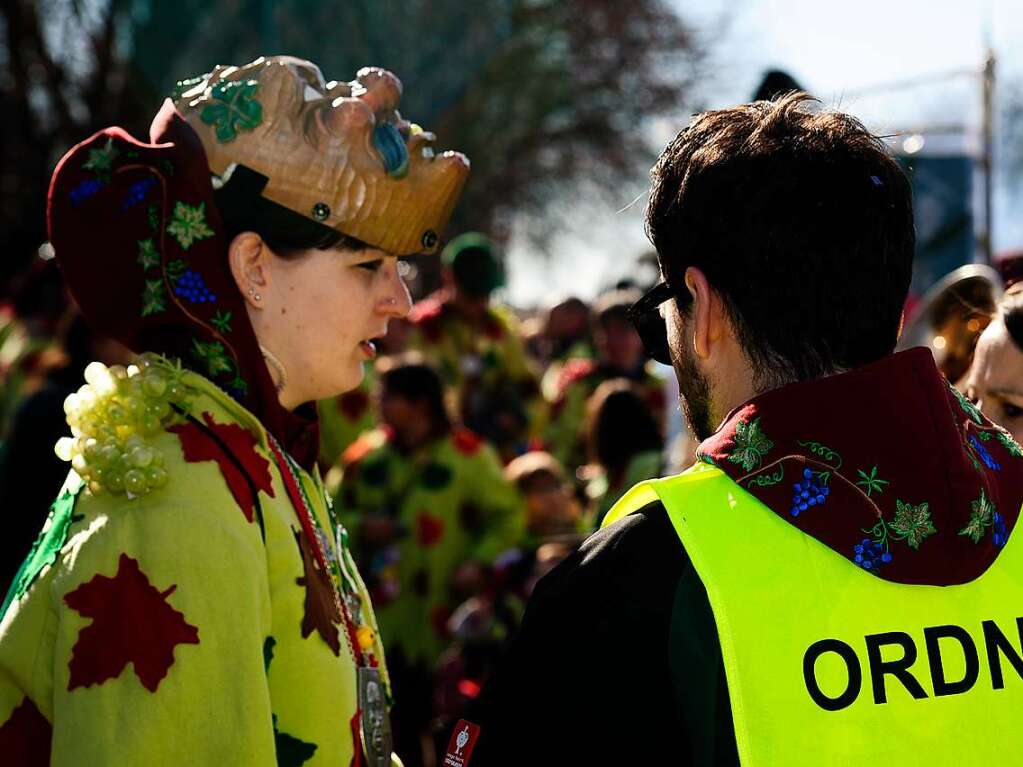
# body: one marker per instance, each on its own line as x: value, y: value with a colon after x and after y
x: 774, y: 604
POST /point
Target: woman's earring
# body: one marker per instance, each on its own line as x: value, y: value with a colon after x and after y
x: 278, y: 366
x: 255, y: 295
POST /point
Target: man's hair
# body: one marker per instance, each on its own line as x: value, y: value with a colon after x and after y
x: 802, y: 223
x: 417, y: 382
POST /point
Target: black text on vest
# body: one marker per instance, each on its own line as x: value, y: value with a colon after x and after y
x: 891, y: 655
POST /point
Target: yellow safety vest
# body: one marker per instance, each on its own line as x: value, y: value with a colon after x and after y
x: 830, y: 665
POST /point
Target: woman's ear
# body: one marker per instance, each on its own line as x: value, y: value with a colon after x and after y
x: 249, y: 259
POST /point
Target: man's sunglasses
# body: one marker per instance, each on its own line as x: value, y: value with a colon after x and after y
x: 650, y: 325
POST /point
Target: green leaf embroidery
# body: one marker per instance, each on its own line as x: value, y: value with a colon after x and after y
x: 188, y: 224
x: 222, y: 321
x: 291, y: 751
x: 751, y: 445
x: 176, y: 268
x: 239, y: 384
x: 102, y: 160
x: 823, y: 451
x: 985, y: 436
x: 912, y: 523
x: 1009, y: 444
x: 968, y: 407
x: 238, y: 109
x: 148, y: 256
x: 767, y: 480
x: 153, y: 298
x: 213, y: 356
x: 980, y: 518
x: 871, y: 482
x: 153, y: 215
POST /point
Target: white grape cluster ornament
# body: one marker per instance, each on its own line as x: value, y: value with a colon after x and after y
x: 112, y: 418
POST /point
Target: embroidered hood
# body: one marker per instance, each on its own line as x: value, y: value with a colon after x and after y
x: 888, y: 465
x: 140, y: 242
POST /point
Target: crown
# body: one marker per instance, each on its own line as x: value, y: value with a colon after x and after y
x: 338, y: 153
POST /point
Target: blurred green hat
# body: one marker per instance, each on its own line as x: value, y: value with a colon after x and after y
x: 472, y: 262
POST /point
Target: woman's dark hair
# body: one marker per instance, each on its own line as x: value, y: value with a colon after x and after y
x: 620, y: 426
x: 243, y: 208
x: 1010, y: 309
x: 802, y: 223
x: 418, y: 382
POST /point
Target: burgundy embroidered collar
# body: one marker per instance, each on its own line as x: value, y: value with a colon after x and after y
x: 887, y: 465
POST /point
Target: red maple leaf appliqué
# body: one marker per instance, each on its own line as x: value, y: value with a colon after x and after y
x: 465, y: 441
x: 25, y: 737
x: 429, y: 529
x: 198, y: 446
x: 132, y: 623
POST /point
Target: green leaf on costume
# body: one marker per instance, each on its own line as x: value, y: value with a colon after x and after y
x: 222, y: 321
x: 871, y: 482
x: 154, y: 298
x: 153, y: 215
x: 239, y: 385
x: 176, y: 268
x: 436, y: 476
x: 213, y: 355
x: 1009, y: 444
x: 291, y: 752
x: 148, y: 256
x: 751, y: 445
x: 968, y: 407
x: 374, y: 473
x: 911, y: 523
x: 980, y: 518
x: 268, y: 652
x: 101, y: 161
x: 188, y: 224
x: 47, y: 545
x: 238, y: 109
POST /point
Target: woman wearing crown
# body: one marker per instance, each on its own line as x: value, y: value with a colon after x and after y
x: 191, y: 599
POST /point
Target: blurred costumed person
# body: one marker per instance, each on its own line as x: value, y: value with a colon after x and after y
x: 429, y: 510
x: 192, y: 599
x: 995, y: 380
x: 619, y: 355
x: 624, y: 444
x: 476, y: 347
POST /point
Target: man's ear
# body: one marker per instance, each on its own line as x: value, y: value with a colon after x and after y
x: 248, y: 257
x: 708, y: 320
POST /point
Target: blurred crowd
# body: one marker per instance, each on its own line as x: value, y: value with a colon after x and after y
x: 483, y: 445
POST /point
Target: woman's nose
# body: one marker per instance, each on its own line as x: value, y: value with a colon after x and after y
x: 396, y: 300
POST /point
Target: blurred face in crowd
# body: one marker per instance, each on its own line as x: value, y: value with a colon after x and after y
x: 399, y: 413
x: 995, y: 381
x: 549, y: 506
x: 618, y: 344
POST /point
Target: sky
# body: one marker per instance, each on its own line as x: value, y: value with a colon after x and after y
x: 846, y: 53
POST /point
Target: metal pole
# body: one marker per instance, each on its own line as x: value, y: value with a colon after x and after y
x: 986, y: 158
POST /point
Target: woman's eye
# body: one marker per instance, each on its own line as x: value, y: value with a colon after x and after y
x: 1012, y: 411
x: 371, y: 266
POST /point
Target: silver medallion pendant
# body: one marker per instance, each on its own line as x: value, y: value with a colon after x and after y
x: 376, y: 724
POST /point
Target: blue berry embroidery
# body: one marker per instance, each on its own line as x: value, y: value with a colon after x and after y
x: 870, y: 555
x: 84, y: 191
x: 137, y: 193
x: 985, y: 456
x: 811, y: 491
x: 999, y: 533
x: 191, y: 287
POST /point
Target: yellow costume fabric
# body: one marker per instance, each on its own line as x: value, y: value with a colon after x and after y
x: 188, y: 624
